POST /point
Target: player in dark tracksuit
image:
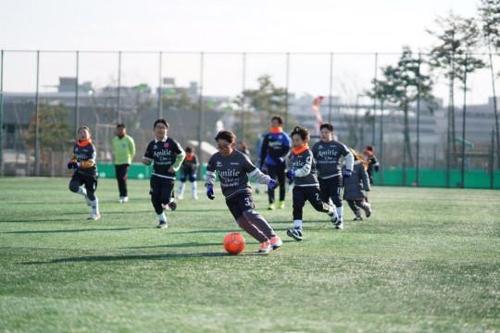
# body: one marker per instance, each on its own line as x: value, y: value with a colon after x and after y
x: 302, y: 170
x: 355, y: 188
x: 274, y: 149
x: 166, y: 155
x: 328, y: 153
x: 84, y: 163
x: 233, y: 168
x: 189, y: 171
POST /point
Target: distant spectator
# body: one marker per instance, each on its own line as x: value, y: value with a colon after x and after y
x: 123, y: 153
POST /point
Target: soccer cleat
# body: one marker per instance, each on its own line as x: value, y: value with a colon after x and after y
x: 358, y: 218
x: 276, y: 242
x: 333, y: 217
x: 162, y: 225
x: 123, y: 199
x: 281, y: 205
x: 180, y: 197
x: 339, y: 225
x: 94, y: 216
x: 271, y: 207
x: 195, y: 196
x: 368, y: 210
x: 265, y: 247
x: 295, y: 233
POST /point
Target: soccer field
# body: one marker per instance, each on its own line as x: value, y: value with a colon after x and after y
x: 428, y: 260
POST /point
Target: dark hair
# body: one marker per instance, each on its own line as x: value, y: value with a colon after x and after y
x: 369, y: 148
x: 278, y: 118
x: 161, y: 121
x: 225, y: 135
x: 120, y: 125
x: 189, y: 149
x: 329, y: 127
x: 302, y: 132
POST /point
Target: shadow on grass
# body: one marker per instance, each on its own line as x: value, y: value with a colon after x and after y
x: 64, y: 231
x: 165, y: 256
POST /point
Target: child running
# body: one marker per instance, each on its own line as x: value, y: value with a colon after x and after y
x: 233, y: 168
x: 328, y: 152
x: 84, y: 163
x: 355, y: 188
x: 166, y: 155
x: 302, y: 170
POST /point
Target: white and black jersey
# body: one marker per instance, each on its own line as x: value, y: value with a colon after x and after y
x: 163, y: 154
x: 305, y: 168
x: 328, y: 158
x: 233, y: 172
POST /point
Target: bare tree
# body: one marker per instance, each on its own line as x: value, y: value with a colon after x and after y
x: 403, y: 84
x: 458, y: 38
x: 489, y: 11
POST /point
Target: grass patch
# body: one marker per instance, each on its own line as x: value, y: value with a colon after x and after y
x: 427, y: 260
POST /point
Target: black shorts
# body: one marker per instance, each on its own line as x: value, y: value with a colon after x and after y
x: 240, y: 203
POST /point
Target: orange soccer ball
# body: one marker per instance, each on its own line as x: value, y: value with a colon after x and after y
x: 234, y: 243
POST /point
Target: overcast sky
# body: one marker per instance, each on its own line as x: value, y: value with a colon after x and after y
x: 229, y: 25
x: 338, y: 26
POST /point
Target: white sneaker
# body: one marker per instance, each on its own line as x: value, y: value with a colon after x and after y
x: 180, y: 197
x: 333, y: 218
x: 339, y: 225
x: 265, y: 247
x: 162, y: 225
x: 94, y: 216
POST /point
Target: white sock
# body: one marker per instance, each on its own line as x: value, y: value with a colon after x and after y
x: 181, y: 190
x: 162, y: 217
x: 297, y: 224
x: 95, y: 205
x: 194, y: 187
x: 340, y: 211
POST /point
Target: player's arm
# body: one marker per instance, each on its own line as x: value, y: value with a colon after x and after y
x: 349, y: 160
x: 263, y: 151
x: 179, y: 159
x: 131, y: 147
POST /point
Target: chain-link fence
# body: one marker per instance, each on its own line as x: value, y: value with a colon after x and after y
x: 46, y: 95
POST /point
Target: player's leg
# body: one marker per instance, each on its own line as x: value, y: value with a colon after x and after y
x: 121, y: 178
x: 280, y: 174
x: 299, y: 200
x: 194, y: 186
x: 354, y: 204
x: 270, y: 192
x: 90, y: 184
x: 75, y: 186
x: 156, y: 200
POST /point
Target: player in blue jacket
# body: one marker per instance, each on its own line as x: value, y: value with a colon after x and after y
x: 275, y: 147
